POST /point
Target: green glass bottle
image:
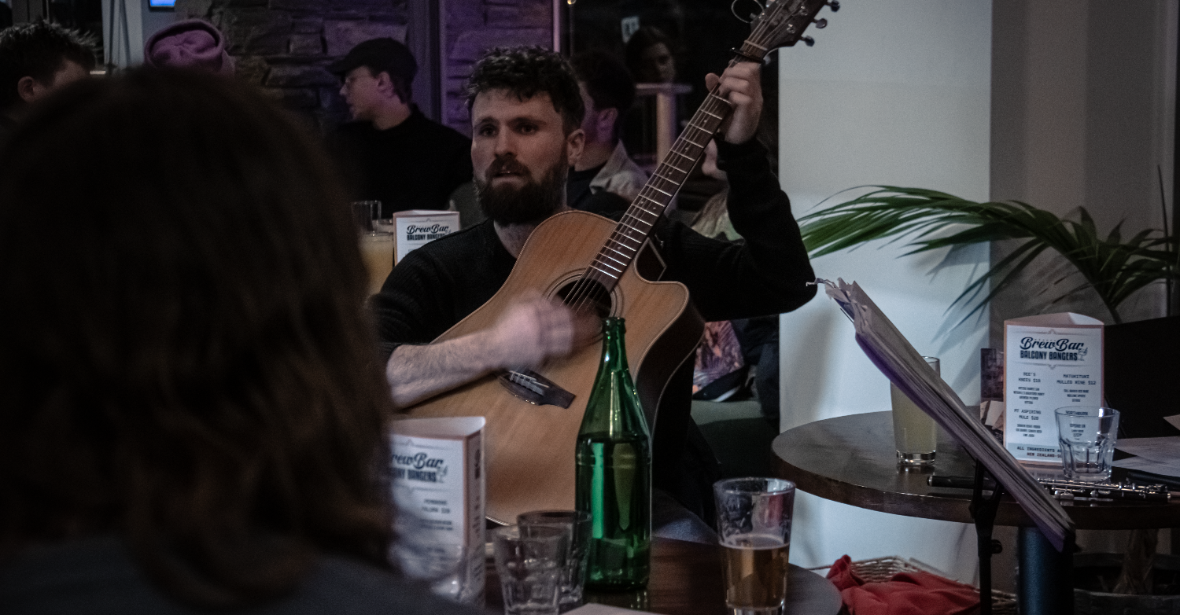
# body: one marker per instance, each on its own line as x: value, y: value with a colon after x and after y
x: 614, y: 473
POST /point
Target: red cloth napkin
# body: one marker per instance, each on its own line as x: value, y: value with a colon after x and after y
x: 905, y: 593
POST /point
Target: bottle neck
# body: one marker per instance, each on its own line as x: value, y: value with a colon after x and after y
x: 614, y: 349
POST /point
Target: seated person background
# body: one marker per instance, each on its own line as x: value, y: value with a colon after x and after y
x: 730, y: 348
x: 390, y: 151
x: 604, y: 166
x: 35, y: 59
x: 649, y: 56
x: 191, y: 415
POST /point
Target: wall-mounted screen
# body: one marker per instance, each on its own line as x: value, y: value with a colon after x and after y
x: 161, y: 4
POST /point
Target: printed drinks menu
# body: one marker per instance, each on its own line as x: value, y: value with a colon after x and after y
x: 415, y: 228
x: 1050, y: 361
x: 439, y: 487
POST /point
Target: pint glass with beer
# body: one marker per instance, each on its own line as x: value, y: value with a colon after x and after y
x: 754, y: 525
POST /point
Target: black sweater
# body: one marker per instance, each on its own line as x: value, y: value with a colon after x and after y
x: 439, y: 284
x: 414, y: 165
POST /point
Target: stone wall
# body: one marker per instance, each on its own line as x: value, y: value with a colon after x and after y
x: 285, y: 46
x: 471, y: 27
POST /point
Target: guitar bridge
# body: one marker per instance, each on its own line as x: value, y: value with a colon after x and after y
x: 535, y: 389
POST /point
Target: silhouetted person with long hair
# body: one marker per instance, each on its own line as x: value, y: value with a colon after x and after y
x: 192, y: 411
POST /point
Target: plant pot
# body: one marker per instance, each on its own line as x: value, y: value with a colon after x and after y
x: 1096, y: 573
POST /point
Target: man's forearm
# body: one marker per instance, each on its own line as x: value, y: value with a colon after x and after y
x: 415, y: 373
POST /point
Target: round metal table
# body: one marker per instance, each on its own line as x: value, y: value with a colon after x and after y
x: 852, y: 460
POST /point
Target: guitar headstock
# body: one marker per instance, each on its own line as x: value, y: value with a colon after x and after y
x: 782, y: 22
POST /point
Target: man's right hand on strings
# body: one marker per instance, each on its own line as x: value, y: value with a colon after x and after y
x: 532, y: 330
x: 535, y: 329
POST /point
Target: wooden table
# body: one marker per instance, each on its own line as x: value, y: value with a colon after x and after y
x: 852, y: 460
x: 686, y: 580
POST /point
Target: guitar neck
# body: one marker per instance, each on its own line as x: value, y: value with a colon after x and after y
x: 637, y: 223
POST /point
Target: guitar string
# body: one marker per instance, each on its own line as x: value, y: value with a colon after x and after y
x: 584, y: 288
x: 581, y: 295
x: 622, y: 234
x: 586, y: 284
x: 621, y: 237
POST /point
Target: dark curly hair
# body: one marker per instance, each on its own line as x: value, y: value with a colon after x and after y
x: 185, y: 360
x: 526, y: 71
x: 38, y: 50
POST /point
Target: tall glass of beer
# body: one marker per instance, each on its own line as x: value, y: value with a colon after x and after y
x: 754, y: 525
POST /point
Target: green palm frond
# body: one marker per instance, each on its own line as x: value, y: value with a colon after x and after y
x: 1114, y: 268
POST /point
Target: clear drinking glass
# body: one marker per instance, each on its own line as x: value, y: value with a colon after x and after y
x: 914, y: 433
x: 376, y: 242
x: 1087, y: 435
x: 529, y: 562
x: 754, y: 525
x: 364, y: 213
x: 448, y: 568
x: 576, y: 525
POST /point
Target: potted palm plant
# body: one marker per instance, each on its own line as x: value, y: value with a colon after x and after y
x: 1112, y: 266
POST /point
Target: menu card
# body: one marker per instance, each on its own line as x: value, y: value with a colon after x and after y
x: 1050, y: 361
x: 415, y: 228
x: 439, y: 487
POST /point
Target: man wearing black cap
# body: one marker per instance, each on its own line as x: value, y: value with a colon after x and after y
x: 395, y: 154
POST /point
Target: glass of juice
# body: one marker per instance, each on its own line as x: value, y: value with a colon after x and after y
x: 914, y: 433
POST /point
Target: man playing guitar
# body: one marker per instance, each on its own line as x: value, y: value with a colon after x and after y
x: 526, y: 110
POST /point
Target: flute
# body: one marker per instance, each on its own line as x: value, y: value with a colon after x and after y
x: 1071, y: 490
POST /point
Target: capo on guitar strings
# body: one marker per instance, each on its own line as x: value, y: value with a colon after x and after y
x: 745, y: 56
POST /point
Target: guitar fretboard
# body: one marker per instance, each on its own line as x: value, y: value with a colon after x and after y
x: 640, y: 218
x: 782, y: 23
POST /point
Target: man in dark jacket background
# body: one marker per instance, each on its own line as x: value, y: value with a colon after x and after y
x: 391, y: 152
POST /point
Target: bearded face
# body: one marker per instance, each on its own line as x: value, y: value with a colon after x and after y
x: 521, y: 152
x: 527, y: 202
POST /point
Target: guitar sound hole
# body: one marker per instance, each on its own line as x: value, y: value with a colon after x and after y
x: 586, y: 296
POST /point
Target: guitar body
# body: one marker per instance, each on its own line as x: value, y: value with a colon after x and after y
x: 530, y: 448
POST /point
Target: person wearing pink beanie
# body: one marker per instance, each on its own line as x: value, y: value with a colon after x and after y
x: 191, y: 43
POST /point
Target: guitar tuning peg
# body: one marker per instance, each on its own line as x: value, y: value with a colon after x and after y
x: 821, y: 23
x: 807, y: 40
x: 834, y: 5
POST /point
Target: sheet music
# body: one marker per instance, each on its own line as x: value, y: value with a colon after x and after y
x: 889, y: 350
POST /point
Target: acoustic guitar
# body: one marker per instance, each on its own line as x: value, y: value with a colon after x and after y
x: 592, y: 263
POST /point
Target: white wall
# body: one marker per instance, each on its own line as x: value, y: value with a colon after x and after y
x: 894, y: 92
x: 1084, y: 113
